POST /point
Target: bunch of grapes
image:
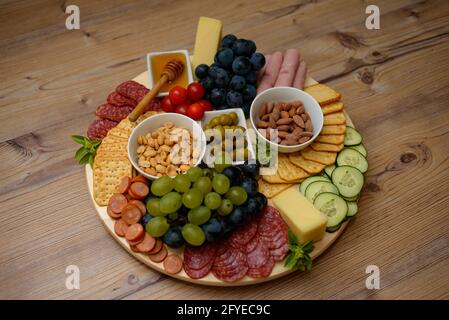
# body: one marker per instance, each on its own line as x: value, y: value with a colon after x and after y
x: 231, y: 80
x: 202, y: 204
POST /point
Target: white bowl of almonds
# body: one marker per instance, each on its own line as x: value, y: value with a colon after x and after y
x: 166, y: 144
x: 287, y: 118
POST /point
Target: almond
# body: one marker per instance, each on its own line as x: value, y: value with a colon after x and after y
x: 308, y: 125
x: 305, y: 134
x: 285, y: 114
x: 285, y: 128
x: 284, y: 121
x: 282, y: 134
x: 292, y: 112
x: 262, y: 124
x: 303, y: 139
x: 263, y: 110
x: 304, y: 117
x: 300, y: 110
x: 276, y: 114
x: 287, y: 106
x: 297, y: 132
x: 270, y: 106
x: 291, y: 136
x: 266, y: 117
x: 298, y: 120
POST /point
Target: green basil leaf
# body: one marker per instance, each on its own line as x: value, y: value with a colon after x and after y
x: 80, y: 153
x: 78, y: 139
x: 290, y: 261
x: 291, y: 237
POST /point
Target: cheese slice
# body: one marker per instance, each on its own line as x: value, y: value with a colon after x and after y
x: 208, y: 38
x: 305, y: 221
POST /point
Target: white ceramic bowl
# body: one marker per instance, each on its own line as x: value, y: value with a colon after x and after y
x: 153, y: 123
x: 279, y: 94
x: 208, y: 115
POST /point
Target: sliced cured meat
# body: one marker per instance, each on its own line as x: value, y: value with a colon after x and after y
x: 119, y: 100
x: 120, y: 227
x: 134, y: 233
x: 140, y: 179
x: 147, y: 244
x: 157, y: 247
x: 99, y: 128
x: 139, y: 189
x: 262, y: 271
x: 198, y: 257
x: 131, y: 89
x: 160, y: 256
x: 139, y: 204
x: 252, y: 244
x: 225, y: 256
x: 198, y: 273
x: 241, y: 236
x: 275, y: 241
x: 117, y: 202
x: 113, y: 112
x: 279, y: 253
x: 173, y: 264
x: 131, y: 214
x: 234, y: 271
x: 123, y: 187
x: 259, y: 256
x: 154, y: 105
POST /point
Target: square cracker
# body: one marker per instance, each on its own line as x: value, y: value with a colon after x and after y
x: 107, y: 175
x: 274, y: 178
x: 288, y: 171
x: 113, y: 147
x: 126, y: 124
x: 334, y: 129
x: 309, y: 166
x: 119, y: 132
x: 272, y: 189
x: 331, y: 138
x: 332, y: 107
x: 319, y: 146
x: 335, y: 118
x: 323, y: 157
x: 323, y: 94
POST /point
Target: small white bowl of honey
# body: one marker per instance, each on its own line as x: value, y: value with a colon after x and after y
x: 156, y: 62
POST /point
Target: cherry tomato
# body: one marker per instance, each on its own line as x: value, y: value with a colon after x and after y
x: 195, y: 91
x: 195, y: 111
x: 167, y: 105
x: 182, y: 108
x: 207, y: 106
x: 178, y: 95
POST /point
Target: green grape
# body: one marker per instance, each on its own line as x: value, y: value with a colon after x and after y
x: 221, y: 183
x: 199, y: 215
x: 153, y: 207
x: 157, y: 226
x: 161, y: 186
x: 207, y: 172
x: 212, y: 200
x: 225, y: 208
x: 182, y: 183
x: 203, y: 184
x: 194, y: 173
x: 171, y: 202
x: 237, y: 195
x: 173, y: 216
x: 193, y: 234
x: 192, y: 198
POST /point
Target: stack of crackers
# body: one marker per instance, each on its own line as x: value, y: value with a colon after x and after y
x: 111, y: 160
x: 295, y: 167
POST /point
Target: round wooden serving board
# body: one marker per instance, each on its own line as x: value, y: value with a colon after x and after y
x: 278, y: 271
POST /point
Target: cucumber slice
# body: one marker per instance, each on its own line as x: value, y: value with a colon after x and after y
x: 306, y: 182
x: 333, y: 206
x: 353, y: 158
x: 348, y: 180
x: 352, y: 137
x: 333, y: 229
x: 352, y: 199
x: 318, y: 187
x: 360, y: 148
x: 329, y: 170
x: 352, y: 208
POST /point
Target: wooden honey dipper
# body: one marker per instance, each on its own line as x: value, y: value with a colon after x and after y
x: 171, y: 71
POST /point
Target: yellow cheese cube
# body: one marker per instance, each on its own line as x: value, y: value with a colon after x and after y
x: 306, y: 222
x: 208, y: 37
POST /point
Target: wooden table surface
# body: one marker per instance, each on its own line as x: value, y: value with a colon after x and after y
x: 394, y: 82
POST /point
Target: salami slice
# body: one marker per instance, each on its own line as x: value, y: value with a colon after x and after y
x: 119, y: 100
x: 262, y: 271
x: 198, y: 273
x: 99, y: 128
x: 259, y: 256
x: 279, y: 253
x: 113, y: 112
x: 252, y: 244
x: 234, y: 271
x: 132, y: 90
x: 198, y: 257
x: 241, y: 236
x: 226, y: 256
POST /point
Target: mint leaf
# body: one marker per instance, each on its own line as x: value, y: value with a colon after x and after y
x: 91, y: 160
x: 79, y: 139
x: 80, y: 153
x: 85, y: 159
x: 291, y: 237
x: 290, y: 261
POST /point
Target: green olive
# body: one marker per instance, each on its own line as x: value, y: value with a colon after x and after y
x: 215, y: 121
x: 234, y: 117
x: 225, y: 120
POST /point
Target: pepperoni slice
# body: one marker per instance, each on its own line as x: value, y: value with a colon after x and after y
x: 117, y: 202
x: 160, y: 256
x: 199, y: 257
x: 131, y: 214
x: 225, y: 257
x: 134, y: 233
x: 140, y: 179
x: 259, y: 256
x: 262, y: 271
x: 147, y: 244
x: 173, y: 264
x: 252, y: 244
x: 157, y: 247
x: 139, y: 204
x: 139, y: 189
x: 243, y: 234
x: 124, y: 185
x: 120, y: 227
x: 132, y: 195
x: 198, y: 273
x: 234, y: 271
x: 134, y: 248
x: 112, y: 214
x: 128, y: 197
